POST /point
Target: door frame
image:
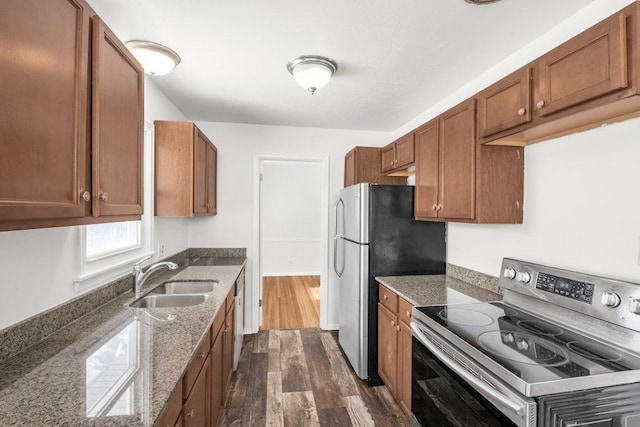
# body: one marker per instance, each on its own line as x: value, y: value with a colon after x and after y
x: 256, y: 290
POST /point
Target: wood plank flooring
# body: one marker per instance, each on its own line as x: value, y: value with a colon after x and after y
x: 290, y: 302
x: 301, y: 378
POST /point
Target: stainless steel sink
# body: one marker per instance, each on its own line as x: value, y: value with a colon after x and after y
x: 155, y: 301
x: 185, y: 287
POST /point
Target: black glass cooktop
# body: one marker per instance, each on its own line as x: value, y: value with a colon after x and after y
x: 530, y: 348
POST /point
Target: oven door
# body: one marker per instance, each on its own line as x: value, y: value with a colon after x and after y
x: 448, y: 389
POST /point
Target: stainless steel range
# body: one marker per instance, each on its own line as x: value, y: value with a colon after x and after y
x: 561, y: 349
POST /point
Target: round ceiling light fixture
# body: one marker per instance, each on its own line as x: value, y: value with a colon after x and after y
x: 312, y: 72
x: 155, y: 58
x: 481, y: 1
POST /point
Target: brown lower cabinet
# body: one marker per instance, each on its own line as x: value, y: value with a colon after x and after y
x: 394, y: 346
x: 199, y: 397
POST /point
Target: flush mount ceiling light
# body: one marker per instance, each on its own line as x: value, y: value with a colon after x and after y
x: 155, y: 58
x: 312, y: 72
x: 481, y: 1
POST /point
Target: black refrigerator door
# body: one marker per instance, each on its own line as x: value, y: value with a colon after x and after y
x: 400, y: 245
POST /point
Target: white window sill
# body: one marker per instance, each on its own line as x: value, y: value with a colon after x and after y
x: 96, y: 278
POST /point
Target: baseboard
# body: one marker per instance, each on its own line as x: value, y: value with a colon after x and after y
x: 332, y: 328
x: 314, y: 273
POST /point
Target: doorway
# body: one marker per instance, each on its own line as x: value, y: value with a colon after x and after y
x: 291, y: 241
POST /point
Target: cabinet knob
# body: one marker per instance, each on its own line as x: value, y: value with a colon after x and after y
x: 86, y: 196
x: 439, y: 208
x: 202, y: 355
x: 398, y: 328
x: 408, y: 314
x: 393, y: 323
x: 522, y: 111
x: 104, y: 197
x: 434, y: 207
x: 540, y: 104
x: 385, y: 296
x: 190, y: 413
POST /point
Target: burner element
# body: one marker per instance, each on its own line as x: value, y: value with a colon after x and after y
x: 459, y: 316
x: 538, y: 327
x: 594, y: 351
x: 529, y: 349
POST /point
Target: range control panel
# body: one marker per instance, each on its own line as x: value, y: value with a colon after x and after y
x: 569, y: 288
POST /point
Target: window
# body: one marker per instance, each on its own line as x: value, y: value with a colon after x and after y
x: 109, y: 250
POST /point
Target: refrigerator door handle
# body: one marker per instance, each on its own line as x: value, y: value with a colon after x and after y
x: 335, y: 240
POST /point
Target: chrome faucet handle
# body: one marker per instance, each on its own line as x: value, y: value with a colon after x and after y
x: 137, y: 265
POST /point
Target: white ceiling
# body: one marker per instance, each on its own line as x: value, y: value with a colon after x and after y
x: 396, y: 58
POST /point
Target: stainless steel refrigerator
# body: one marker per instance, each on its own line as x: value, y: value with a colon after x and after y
x: 376, y: 235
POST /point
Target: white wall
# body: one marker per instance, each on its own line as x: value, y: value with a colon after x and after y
x: 237, y: 144
x: 38, y: 266
x: 290, y: 218
x: 581, y: 204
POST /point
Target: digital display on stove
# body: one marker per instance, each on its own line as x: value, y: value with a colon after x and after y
x: 579, y: 291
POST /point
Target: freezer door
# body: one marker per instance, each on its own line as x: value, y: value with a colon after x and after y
x: 354, y: 293
x: 353, y: 213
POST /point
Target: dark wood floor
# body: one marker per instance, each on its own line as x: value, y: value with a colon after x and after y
x: 301, y: 378
x: 290, y: 302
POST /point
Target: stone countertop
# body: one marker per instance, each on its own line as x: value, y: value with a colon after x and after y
x: 436, y: 290
x: 116, y: 366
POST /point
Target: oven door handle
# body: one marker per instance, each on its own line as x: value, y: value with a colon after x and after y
x: 466, y: 375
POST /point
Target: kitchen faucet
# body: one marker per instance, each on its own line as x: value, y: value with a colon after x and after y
x: 139, y: 277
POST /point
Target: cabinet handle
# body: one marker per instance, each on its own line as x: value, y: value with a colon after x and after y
x: 540, y: 104
x: 521, y: 111
x: 86, y: 196
x: 190, y: 413
x: 104, y: 197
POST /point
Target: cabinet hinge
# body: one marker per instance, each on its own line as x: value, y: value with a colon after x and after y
x: 260, y: 303
x: 261, y: 176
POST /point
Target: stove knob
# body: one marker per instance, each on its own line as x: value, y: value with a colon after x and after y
x: 509, y: 338
x: 610, y: 299
x: 509, y: 273
x: 634, y: 305
x: 523, y: 277
x: 522, y: 345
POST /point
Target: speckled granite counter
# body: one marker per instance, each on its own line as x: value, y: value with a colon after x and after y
x: 116, y: 366
x: 436, y: 289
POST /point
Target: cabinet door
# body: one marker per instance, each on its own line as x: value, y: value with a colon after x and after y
x: 227, y: 349
x: 218, y: 391
x: 195, y: 412
x: 118, y: 115
x: 200, y: 173
x: 590, y: 65
x: 505, y: 104
x: 388, y: 157
x: 43, y: 109
x: 387, y: 348
x: 212, y: 179
x: 404, y: 151
x: 457, y: 162
x: 427, y: 175
x: 404, y: 368
x: 350, y: 168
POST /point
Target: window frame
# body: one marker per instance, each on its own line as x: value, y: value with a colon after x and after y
x: 100, y: 269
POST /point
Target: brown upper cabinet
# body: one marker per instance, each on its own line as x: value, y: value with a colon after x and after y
x: 185, y: 170
x: 71, y: 131
x: 459, y: 180
x: 398, y: 155
x: 589, y: 80
x: 362, y: 164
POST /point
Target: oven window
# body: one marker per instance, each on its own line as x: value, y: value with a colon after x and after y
x: 440, y: 398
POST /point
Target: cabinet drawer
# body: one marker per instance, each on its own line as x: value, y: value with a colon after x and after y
x: 404, y: 310
x: 173, y: 408
x: 195, y: 365
x: 388, y: 299
x: 230, y: 299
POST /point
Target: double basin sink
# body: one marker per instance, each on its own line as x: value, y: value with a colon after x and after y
x: 176, y: 294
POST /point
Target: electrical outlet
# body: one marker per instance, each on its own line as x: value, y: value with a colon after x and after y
x: 160, y: 250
